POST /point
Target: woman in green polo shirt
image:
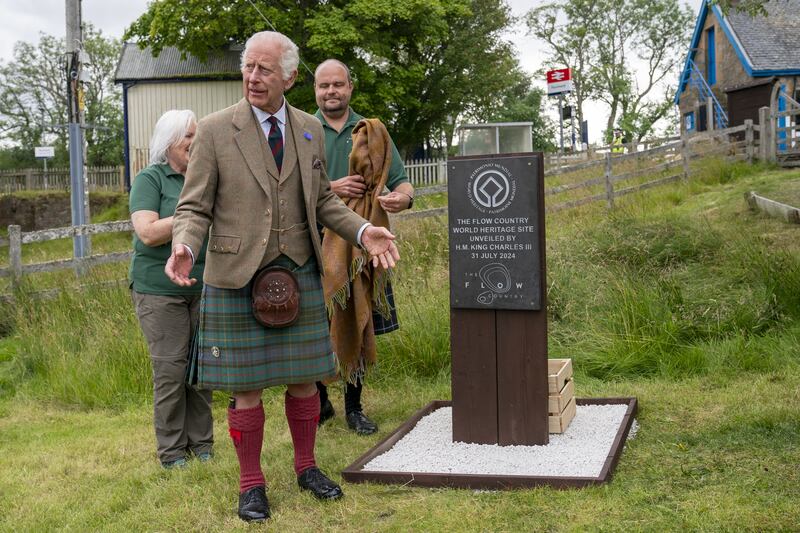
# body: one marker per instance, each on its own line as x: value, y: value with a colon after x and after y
x: 168, y: 313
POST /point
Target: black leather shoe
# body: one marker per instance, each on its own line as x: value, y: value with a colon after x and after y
x: 319, y: 484
x: 358, y: 422
x: 253, y: 505
x: 326, y: 412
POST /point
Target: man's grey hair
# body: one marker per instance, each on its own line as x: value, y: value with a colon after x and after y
x: 290, y: 56
x: 335, y: 62
x: 169, y: 130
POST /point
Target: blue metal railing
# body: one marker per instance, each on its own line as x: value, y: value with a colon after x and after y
x: 697, y: 81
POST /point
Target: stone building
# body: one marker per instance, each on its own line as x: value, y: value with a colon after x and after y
x: 153, y: 85
x: 738, y: 60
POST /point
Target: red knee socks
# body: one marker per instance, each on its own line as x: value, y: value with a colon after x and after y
x: 302, y: 414
x: 246, y: 427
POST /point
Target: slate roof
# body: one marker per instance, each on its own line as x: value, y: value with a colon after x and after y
x: 137, y: 64
x: 765, y: 45
x: 771, y: 42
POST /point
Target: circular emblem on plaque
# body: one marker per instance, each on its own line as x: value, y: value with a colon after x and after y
x: 491, y: 188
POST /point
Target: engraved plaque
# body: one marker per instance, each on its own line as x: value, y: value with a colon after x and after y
x: 494, y: 232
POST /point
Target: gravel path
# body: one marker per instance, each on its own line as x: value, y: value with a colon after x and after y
x: 578, y: 452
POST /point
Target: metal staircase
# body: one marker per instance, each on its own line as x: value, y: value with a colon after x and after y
x: 704, y: 92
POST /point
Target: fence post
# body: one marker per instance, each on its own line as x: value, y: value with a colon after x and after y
x: 710, y: 114
x: 763, y: 133
x: 29, y: 179
x: 442, y: 175
x: 15, y: 254
x: 748, y: 138
x: 685, y: 154
x: 609, y: 185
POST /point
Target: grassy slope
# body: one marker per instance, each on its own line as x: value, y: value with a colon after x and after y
x: 651, y: 302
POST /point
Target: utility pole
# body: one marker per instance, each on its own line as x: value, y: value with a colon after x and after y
x: 561, y: 121
x: 79, y: 190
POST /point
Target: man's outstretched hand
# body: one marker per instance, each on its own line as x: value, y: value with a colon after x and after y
x: 379, y: 242
x: 179, y: 265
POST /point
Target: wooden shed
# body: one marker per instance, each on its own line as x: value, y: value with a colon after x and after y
x: 736, y: 60
x: 153, y: 85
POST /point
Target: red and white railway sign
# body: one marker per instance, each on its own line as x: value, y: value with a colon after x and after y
x: 559, y: 81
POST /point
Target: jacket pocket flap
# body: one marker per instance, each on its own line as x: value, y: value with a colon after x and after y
x: 224, y: 244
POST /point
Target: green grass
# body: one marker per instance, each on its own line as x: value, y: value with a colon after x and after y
x: 681, y: 297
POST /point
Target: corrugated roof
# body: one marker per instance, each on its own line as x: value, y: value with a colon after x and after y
x: 136, y: 64
x: 771, y: 42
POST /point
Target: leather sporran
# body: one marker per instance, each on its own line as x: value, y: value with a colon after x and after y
x: 276, y: 297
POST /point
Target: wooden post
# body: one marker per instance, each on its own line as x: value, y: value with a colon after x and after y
x: 609, y: 185
x: 763, y: 133
x: 709, y: 114
x: 15, y: 254
x: 685, y: 154
x: 748, y: 137
x: 29, y: 179
x: 772, y: 156
x: 498, y: 346
x: 442, y: 177
x: 122, y: 178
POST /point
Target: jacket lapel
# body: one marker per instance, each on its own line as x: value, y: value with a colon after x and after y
x: 289, y: 150
x: 248, y: 139
x: 302, y: 146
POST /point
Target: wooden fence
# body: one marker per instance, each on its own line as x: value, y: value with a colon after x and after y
x: 566, y: 187
x: 16, y: 238
x: 111, y: 178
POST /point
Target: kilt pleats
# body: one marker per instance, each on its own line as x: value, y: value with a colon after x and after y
x: 382, y: 324
x: 233, y: 352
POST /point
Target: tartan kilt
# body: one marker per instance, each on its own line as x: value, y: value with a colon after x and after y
x: 381, y: 324
x: 233, y: 352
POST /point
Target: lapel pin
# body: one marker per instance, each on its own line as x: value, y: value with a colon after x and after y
x: 307, y: 136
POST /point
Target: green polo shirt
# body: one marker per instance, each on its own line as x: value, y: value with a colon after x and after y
x: 338, y: 146
x: 157, y: 188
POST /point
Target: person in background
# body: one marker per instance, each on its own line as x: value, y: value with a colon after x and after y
x: 256, y: 179
x: 168, y: 313
x: 617, y: 146
x: 333, y: 88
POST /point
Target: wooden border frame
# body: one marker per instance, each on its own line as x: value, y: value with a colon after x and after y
x: 355, y: 473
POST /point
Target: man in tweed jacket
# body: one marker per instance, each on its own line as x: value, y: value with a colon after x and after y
x: 256, y: 185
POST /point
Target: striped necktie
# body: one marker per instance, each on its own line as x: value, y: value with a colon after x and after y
x: 276, y: 142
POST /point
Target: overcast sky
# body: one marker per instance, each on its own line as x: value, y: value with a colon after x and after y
x: 23, y: 20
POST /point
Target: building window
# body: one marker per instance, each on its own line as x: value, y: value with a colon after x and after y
x: 688, y: 121
x: 711, y: 57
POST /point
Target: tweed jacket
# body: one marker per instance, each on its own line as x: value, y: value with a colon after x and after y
x: 226, y: 194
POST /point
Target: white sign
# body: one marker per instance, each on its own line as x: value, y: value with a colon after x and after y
x: 559, y: 81
x: 44, y: 151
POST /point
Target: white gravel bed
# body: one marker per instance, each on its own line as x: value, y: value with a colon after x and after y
x: 580, y: 451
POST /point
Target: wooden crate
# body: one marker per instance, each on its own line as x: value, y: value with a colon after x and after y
x: 557, y: 402
x: 559, y: 423
x: 559, y: 371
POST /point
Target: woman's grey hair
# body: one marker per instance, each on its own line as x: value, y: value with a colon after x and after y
x: 290, y: 56
x: 169, y: 130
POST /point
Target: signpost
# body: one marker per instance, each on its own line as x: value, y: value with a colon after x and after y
x: 559, y: 82
x: 44, y: 153
x: 498, y: 322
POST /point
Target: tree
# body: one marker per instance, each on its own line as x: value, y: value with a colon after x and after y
x: 607, y: 43
x: 753, y: 7
x: 655, y: 32
x: 417, y: 64
x: 565, y: 27
x: 33, y: 99
x: 524, y: 104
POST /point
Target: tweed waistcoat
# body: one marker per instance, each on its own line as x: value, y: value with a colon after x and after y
x: 290, y: 235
